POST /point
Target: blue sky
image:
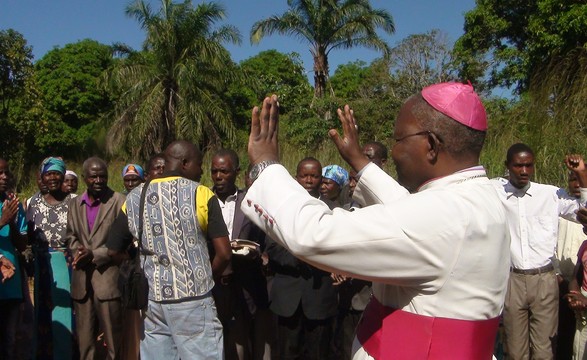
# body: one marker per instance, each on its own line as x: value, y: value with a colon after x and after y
x: 49, y: 23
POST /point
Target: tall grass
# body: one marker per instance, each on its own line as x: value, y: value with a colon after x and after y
x: 551, y: 142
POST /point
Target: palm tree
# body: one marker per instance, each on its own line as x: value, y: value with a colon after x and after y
x: 327, y: 25
x: 174, y: 87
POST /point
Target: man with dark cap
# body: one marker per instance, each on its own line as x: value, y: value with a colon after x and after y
x: 179, y: 216
x: 435, y: 243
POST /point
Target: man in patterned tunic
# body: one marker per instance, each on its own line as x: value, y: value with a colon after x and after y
x: 179, y: 216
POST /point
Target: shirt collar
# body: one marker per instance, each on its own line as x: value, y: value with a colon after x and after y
x: 229, y: 198
x: 457, y: 177
x: 511, y: 190
x: 85, y: 199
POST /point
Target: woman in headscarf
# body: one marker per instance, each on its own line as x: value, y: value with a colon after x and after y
x: 334, y: 178
x: 70, y: 183
x: 47, y: 221
x: 132, y: 176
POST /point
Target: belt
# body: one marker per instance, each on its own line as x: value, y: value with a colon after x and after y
x: 540, y: 270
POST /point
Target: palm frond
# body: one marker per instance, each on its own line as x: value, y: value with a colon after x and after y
x: 172, y: 89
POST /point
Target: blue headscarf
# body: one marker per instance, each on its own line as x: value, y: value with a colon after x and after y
x: 53, y: 164
x: 133, y: 169
x: 336, y: 174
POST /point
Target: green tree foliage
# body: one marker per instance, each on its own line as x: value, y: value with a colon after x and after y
x: 68, y: 79
x: 368, y: 90
x: 175, y: 87
x: 275, y: 73
x: 305, y: 127
x: 507, y: 41
x: 283, y: 74
x: 377, y: 91
x: 19, y: 103
x: 348, y: 79
x: 538, y: 47
x: 327, y: 25
x: 555, y: 109
x: 269, y: 72
x: 15, y: 68
x: 549, y: 117
x: 73, y: 102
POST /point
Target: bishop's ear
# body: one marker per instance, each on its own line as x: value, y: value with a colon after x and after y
x: 434, y: 145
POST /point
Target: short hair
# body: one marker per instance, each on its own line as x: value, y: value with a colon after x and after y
x: 152, y: 160
x: 516, y: 149
x: 180, y: 150
x: 91, y: 161
x: 572, y: 175
x: 458, y: 140
x: 231, y: 154
x: 309, y: 159
x: 380, y: 149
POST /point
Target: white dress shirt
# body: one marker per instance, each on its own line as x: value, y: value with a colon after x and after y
x: 228, y: 206
x: 443, y: 251
x: 533, y: 214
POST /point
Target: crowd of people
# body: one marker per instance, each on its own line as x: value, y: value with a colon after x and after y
x: 328, y: 263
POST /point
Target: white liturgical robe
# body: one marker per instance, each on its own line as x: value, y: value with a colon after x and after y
x: 440, y: 252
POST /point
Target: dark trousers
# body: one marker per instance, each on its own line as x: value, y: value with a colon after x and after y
x: 227, y: 296
x: 94, y: 315
x: 9, y: 311
x: 566, y: 326
x: 344, y: 333
x: 246, y: 335
x: 303, y: 338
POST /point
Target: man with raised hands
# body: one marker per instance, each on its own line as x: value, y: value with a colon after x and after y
x: 434, y: 243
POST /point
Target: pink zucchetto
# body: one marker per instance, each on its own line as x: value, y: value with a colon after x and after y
x: 459, y: 102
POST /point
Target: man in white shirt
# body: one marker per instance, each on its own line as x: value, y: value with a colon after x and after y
x: 531, y: 306
x: 435, y: 247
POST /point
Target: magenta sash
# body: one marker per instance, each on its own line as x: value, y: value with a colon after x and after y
x: 387, y: 333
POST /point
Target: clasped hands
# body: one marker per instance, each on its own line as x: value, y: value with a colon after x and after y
x: 82, y: 258
x: 6, y: 268
x: 577, y: 301
x: 9, y: 211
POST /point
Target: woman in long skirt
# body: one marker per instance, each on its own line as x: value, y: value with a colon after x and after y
x: 47, y: 221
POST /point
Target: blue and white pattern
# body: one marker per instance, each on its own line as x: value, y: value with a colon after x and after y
x: 180, y: 265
